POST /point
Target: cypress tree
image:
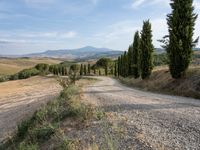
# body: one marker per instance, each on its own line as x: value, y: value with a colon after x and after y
x: 146, y: 50
x: 99, y: 72
x: 118, y: 66
x: 89, y: 69
x: 130, y: 60
x: 81, y: 70
x: 115, y: 69
x: 136, y: 55
x: 124, y: 65
x: 95, y: 71
x: 85, y: 70
x: 181, y: 24
x: 106, y: 70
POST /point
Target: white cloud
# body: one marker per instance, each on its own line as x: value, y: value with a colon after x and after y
x: 139, y: 3
x: 70, y: 34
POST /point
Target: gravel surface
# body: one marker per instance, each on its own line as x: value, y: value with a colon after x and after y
x: 143, y: 119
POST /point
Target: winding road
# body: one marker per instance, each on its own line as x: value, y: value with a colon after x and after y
x: 162, y: 121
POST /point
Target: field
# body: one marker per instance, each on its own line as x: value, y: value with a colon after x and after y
x: 10, y: 66
x: 20, y: 98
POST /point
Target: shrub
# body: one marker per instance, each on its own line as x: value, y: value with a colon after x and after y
x: 43, y: 68
x: 42, y: 133
x: 26, y: 73
x: 4, y: 78
x: 24, y: 146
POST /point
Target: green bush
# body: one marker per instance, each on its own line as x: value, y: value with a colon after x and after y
x: 4, y: 78
x: 26, y: 73
x: 42, y: 133
x: 24, y: 146
x: 43, y: 68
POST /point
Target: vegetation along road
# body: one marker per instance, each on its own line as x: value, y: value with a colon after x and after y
x: 160, y: 121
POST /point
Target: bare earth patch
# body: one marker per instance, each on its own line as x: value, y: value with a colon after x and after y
x: 21, y: 98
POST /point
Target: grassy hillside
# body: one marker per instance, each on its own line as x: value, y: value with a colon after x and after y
x: 161, y: 81
x: 13, y: 65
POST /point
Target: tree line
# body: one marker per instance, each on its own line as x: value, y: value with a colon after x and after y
x: 138, y: 60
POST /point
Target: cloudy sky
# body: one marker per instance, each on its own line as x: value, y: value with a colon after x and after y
x: 28, y: 26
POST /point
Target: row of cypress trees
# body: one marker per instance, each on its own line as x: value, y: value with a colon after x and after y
x: 138, y: 61
x: 85, y: 69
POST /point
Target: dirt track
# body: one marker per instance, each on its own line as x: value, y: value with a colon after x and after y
x: 19, y: 99
x: 160, y: 121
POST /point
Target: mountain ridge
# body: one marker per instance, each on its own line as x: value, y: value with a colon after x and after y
x: 87, y: 52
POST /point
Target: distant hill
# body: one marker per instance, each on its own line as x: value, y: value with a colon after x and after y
x: 84, y: 53
x: 81, y: 53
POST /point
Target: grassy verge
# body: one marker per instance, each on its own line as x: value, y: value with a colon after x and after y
x: 34, y: 132
x: 161, y: 82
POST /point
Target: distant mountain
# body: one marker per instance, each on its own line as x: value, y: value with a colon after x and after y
x: 81, y: 53
x: 84, y: 53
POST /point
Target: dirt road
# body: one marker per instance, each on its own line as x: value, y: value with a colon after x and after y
x: 20, y: 98
x: 154, y: 120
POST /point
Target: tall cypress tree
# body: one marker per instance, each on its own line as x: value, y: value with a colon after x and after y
x: 130, y: 60
x: 81, y: 70
x: 115, y: 69
x: 118, y: 66
x: 85, y: 70
x: 125, y: 64
x: 136, y: 55
x: 146, y: 50
x: 181, y: 24
x: 89, y: 69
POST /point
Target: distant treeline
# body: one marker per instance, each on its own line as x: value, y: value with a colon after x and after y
x: 40, y: 69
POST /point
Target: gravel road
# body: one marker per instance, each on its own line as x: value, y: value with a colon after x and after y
x: 149, y: 121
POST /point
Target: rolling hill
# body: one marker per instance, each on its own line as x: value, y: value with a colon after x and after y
x: 88, y: 52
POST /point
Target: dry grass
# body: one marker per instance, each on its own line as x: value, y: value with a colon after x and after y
x: 20, y: 98
x: 13, y: 65
x: 161, y: 81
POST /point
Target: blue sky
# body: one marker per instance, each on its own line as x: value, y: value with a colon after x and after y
x: 29, y: 26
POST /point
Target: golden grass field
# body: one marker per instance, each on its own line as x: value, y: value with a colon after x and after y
x: 10, y: 66
x: 20, y: 98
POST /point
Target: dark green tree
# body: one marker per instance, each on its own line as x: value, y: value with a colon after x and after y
x: 115, y: 69
x: 89, y: 67
x: 94, y: 67
x: 130, y: 60
x: 125, y: 65
x: 136, y: 56
x: 99, y: 72
x: 146, y: 50
x: 105, y: 63
x: 181, y: 24
x: 85, y: 70
x: 119, y: 66
x: 74, y: 70
x: 81, y: 70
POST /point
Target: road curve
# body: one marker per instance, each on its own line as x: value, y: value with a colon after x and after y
x: 163, y: 121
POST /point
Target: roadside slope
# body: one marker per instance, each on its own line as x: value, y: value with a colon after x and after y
x: 161, y: 121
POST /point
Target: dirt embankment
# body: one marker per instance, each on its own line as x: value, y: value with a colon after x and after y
x: 20, y: 98
x: 162, y: 82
